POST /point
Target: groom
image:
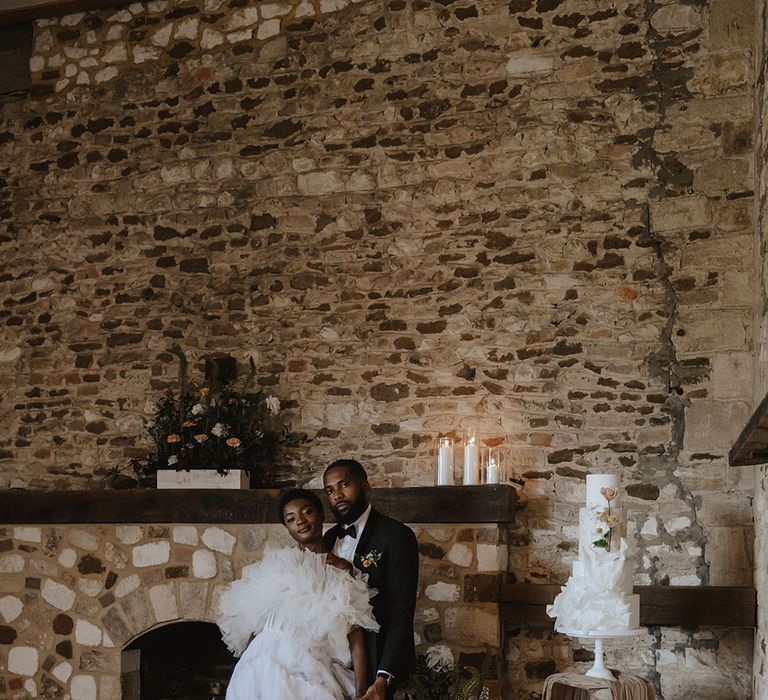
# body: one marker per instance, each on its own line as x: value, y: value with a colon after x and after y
x: 386, y: 550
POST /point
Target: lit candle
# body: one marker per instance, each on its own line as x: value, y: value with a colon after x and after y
x: 445, y: 462
x: 471, y: 472
x: 493, y: 475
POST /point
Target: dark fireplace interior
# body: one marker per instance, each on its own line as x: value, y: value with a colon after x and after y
x: 181, y: 661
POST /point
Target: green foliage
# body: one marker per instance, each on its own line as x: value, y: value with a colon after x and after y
x: 469, y: 685
x: 218, y: 426
x: 432, y: 682
x: 439, y: 682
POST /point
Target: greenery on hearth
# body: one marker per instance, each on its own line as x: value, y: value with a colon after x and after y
x: 438, y: 681
x: 218, y: 426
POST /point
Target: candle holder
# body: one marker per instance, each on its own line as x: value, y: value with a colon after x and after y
x: 444, y: 461
x: 471, y: 460
x: 494, y: 464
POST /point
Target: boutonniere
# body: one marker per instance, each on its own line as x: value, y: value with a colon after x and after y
x: 370, y: 559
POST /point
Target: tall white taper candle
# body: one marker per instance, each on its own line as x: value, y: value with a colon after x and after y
x: 445, y: 462
x: 471, y: 454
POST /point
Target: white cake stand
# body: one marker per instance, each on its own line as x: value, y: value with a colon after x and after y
x: 599, y: 669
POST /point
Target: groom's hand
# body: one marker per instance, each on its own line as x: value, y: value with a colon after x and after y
x: 377, y: 691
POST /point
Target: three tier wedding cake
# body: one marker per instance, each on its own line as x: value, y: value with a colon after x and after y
x: 598, y: 596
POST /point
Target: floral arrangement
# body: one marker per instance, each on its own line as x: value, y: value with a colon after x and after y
x: 218, y: 426
x: 608, y: 521
x: 370, y: 559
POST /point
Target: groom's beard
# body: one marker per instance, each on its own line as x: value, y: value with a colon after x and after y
x: 355, y: 511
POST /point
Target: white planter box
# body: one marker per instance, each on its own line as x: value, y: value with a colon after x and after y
x: 202, y: 479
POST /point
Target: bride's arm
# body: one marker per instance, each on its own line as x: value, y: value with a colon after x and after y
x: 356, y: 639
x: 339, y: 563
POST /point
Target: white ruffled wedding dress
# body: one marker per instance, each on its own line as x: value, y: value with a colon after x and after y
x: 300, y: 610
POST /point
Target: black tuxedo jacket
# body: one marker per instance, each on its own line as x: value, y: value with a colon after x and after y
x: 388, y: 553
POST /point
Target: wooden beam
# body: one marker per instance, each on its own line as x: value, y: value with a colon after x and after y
x: 438, y: 504
x: 715, y: 606
x: 15, y: 50
x: 524, y: 605
x: 751, y: 447
x: 17, y: 11
x: 449, y: 504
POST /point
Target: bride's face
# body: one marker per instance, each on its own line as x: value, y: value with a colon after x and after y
x: 303, y: 520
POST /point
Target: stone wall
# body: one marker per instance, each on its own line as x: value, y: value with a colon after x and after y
x: 526, y: 217
x: 760, y: 669
x: 761, y: 374
x: 72, y: 597
x: 689, y: 664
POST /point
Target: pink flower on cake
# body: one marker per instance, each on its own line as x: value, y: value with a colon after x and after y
x: 608, y: 493
x: 607, y: 521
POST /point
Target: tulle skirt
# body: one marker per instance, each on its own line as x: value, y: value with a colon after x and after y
x: 301, y: 611
x: 276, y: 666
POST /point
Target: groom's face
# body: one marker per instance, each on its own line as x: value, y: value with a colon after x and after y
x: 347, y: 494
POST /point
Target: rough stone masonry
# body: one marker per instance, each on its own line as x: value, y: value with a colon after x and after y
x: 531, y: 218
x: 71, y: 598
x: 760, y: 685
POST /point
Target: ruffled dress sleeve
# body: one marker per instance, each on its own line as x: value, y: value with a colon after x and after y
x: 295, y: 591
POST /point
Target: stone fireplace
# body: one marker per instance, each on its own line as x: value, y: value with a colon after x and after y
x: 178, y: 660
x: 95, y: 609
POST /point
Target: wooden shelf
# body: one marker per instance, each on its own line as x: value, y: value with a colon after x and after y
x: 751, y: 447
x: 524, y: 605
x: 437, y: 504
x: 15, y: 11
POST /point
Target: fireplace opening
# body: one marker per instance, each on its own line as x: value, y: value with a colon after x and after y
x: 181, y: 661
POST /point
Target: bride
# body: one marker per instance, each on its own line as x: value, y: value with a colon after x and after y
x: 297, y: 617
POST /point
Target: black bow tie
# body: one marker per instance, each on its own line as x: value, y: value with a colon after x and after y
x: 351, y: 531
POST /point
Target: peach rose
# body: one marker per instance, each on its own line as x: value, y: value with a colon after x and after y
x: 609, y: 494
x: 233, y: 442
x: 173, y: 438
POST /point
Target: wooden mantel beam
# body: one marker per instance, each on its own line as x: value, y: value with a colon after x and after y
x: 524, y: 605
x: 433, y: 504
x: 17, y: 11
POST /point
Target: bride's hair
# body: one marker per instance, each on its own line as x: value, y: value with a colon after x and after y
x: 295, y: 495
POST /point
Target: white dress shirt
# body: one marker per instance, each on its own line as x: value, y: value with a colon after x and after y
x: 344, y: 547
